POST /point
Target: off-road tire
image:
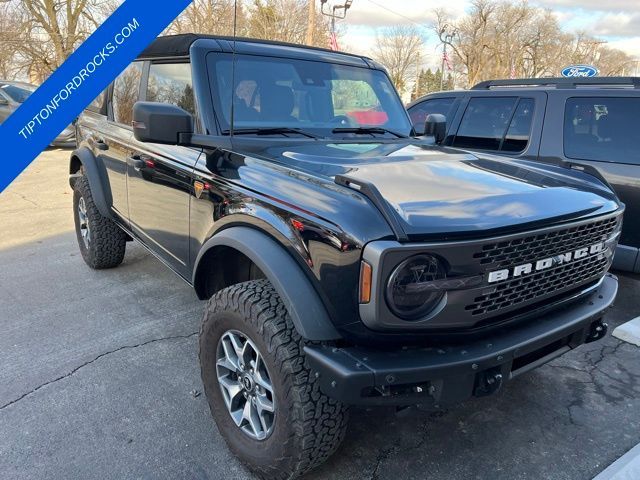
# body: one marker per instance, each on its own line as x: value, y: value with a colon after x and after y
x: 108, y: 241
x: 308, y: 425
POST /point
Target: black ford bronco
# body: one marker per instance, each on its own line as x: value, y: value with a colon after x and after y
x: 345, y: 261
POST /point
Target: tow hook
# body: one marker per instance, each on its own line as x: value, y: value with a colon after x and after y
x: 597, y: 331
x: 488, y: 382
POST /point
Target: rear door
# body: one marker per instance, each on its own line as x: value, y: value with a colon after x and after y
x: 112, y: 140
x: 160, y: 177
x: 601, y: 130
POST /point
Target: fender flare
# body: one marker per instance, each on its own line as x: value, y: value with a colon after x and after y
x: 96, y: 174
x: 300, y: 298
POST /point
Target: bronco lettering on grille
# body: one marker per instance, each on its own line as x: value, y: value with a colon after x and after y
x: 546, y: 263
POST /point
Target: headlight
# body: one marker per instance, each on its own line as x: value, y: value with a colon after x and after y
x: 410, y: 292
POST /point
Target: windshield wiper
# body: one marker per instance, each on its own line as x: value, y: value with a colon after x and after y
x: 269, y: 131
x: 367, y: 131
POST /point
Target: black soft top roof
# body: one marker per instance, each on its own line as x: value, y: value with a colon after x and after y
x: 179, y: 45
x: 172, y: 45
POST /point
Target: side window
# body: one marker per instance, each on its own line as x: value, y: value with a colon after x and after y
x: 443, y: 106
x: 602, y: 129
x: 496, y: 123
x: 126, y: 91
x: 519, y: 132
x: 172, y: 83
x: 97, y: 106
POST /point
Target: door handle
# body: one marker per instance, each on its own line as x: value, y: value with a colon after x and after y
x: 139, y: 162
x: 101, y: 145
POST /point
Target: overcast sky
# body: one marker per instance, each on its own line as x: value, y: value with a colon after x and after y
x: 616, y: 21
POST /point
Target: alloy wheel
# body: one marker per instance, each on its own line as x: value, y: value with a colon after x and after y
x: 85, y: 229
x: 245, y: 384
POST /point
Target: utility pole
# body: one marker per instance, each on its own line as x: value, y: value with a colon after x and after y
x: 446, y: 37
x: 311, y: 24
x: 337, y: 12
x: 444, y: 56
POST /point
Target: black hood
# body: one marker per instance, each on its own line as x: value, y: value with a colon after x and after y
x: 436, y: 191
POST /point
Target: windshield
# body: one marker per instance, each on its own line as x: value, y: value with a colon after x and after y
x: 18, y: 93
x: 276, y: 95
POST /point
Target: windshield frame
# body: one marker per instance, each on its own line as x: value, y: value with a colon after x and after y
x: 394, y: 107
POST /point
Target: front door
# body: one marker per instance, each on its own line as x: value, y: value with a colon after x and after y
x: 160, y: 177
x: 160, y: 186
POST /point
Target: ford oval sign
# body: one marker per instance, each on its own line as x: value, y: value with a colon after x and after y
x: 580, y: 71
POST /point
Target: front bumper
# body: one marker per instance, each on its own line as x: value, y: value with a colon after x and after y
x: 441, y: 376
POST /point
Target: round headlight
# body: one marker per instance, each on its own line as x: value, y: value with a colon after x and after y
x: 410, y: 294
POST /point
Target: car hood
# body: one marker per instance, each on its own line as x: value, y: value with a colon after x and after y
x: 434, y: 190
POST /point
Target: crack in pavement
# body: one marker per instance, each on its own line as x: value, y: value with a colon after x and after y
x: 387, y: 453
x: 591, y: 368
x: 24, y: 197
x: 72, y: 372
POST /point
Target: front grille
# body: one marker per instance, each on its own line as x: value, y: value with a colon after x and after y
x: 544, y: 245
x: 526, y: 289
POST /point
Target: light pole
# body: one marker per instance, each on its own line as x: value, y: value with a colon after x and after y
x: 446, y: 37
x: 338, y: 12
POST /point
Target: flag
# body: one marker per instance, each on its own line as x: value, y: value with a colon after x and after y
x: 333, y: 41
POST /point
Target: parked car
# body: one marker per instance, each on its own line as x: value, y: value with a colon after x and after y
x: 344, y: 263
x: 581, y: 123
x: 14, y: 94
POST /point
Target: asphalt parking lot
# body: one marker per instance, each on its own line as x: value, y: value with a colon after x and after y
x: 99, y: 378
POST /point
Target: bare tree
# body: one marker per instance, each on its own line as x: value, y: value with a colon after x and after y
x: 399, y: 49
x: 37, y: 36
x: 7, y: 46
x: 46, y: 32
x: 500, y: 39
x: 215, y: 17
x: 287, y: 21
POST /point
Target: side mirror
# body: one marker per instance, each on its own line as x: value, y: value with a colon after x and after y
x: 161, y: 123
x: 436, y: 126
x: 4, y: 101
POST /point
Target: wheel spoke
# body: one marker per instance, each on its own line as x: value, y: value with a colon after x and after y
x: 247, y: 354
x: 263, y: 404
x: 236, y: 343
x: 226, y: 363
x: 232, y: 388
x: 230, y: 352
x: 261, y: 376
x: 251, y: 416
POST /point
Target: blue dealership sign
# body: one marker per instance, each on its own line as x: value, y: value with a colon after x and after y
x: 580, y: 71
x: 80, y: 79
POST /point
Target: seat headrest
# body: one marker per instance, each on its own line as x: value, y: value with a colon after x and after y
x: 276, y: 101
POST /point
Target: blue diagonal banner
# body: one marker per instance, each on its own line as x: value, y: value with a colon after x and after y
x: 86, y: 73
